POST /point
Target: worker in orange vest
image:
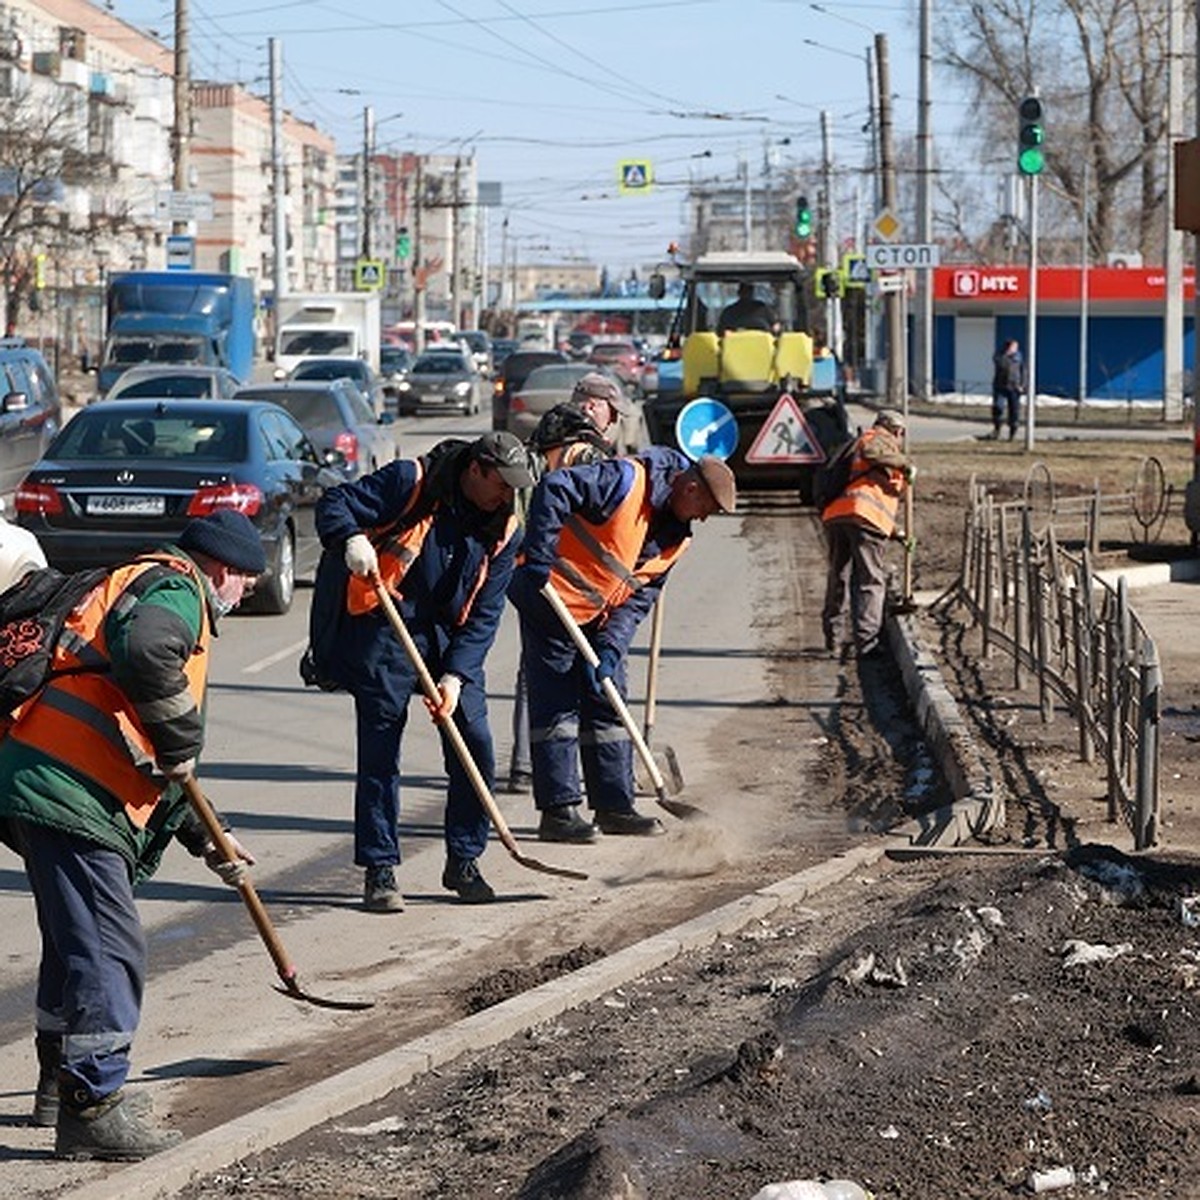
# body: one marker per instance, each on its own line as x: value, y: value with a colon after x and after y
x: 859, y: 523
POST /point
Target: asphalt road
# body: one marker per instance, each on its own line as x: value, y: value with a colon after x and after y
x: 279, y: 763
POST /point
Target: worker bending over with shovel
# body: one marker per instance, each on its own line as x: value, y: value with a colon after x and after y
x: 605, y: 536
x: 440, y: 534
x: 90, y: 796
x: 576, y: 431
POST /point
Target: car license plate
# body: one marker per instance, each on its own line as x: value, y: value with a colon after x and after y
x: 126, y: 506
x: 433, y: 398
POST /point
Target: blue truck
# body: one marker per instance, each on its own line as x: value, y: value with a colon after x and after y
x: 197, y: 318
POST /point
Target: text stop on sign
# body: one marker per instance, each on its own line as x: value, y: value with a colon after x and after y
x: 889, y: 258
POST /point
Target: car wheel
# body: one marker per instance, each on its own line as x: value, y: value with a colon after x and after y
x: 275, y: 595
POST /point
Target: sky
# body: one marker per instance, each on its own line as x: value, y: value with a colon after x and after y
x: 552, y: 95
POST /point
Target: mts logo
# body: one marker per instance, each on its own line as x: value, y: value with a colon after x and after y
x: 976, y: 283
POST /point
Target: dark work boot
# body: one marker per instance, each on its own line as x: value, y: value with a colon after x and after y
x: 628, y: 822
x: 380, y: 893
x: 111, y: 1129
x: 564, y: 824
x: 462, y: 876
x: 45, y: 1099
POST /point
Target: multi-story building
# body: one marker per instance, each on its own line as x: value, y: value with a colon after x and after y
x: 230, y: 155
x: 432, y: 243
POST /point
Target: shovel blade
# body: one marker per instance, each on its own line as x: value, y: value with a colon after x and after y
x: 292, y: 989
x: 668, y: 768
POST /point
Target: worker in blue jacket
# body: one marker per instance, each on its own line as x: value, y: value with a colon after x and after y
x: 440, y: 533
x: 605, y: 535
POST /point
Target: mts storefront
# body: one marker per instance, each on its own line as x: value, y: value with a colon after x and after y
x: 978, y: 308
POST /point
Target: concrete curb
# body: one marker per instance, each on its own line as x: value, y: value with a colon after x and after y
x: 166, y: 1173
x: 978, y: 803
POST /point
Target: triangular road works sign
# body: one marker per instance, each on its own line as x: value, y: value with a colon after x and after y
x: 785, y: 437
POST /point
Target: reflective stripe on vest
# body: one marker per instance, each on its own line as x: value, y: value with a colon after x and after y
x: 866, y: 501
x: 594, y: 568
x: 396, y: 546
x: 85, y: 721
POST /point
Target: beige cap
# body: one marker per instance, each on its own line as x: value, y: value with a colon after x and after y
x: 891, y: 419
x: 601, y: 387
x: 718, y: 478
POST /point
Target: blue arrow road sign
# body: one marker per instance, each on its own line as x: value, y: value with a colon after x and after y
x: 706, y: 426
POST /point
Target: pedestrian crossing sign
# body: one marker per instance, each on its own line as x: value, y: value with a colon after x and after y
x: 634, y: 175
x: 368, y: 274
x: 785, y: 437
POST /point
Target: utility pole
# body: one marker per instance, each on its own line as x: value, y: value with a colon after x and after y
x: 278, y: 176
x: 1173, y: 257
x: 417, y: 258
x: 923, y: 385
x: 182, y: 132
x: 829, y: 253
x: 747, y: 218
x: 456, y: 247
x: 897, y: 388
x: 368, y: 196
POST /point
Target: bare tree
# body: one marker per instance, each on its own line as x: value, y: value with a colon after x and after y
x: 1099, y: 67
x: 44, y: 154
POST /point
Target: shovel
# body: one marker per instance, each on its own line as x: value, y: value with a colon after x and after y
x: 677, y: 808
x: 460, y: 747
x: 287, y: 972
x: 672, y: 775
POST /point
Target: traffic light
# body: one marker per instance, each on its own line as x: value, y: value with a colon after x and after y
x: 804, y: 221
x: 1031, y: 158
x: 831, y: 284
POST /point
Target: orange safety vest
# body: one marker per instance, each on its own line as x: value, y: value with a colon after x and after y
x: 85, y: 720
x: 595, y: 568
x: 872, y: 498
x: 397, y: 547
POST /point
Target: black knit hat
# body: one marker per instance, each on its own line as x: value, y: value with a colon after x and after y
x: 229, y: 537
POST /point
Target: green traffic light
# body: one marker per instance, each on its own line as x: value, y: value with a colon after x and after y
x: 804, y: 222
x: 1031, y: 161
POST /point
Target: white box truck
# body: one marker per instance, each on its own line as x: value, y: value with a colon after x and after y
x: 326, y: 325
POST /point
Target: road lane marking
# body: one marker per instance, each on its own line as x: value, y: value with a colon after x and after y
x: 263, y: 663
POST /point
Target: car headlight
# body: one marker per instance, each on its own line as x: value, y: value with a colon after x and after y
x: 404, y: 386
x: 462, y: 389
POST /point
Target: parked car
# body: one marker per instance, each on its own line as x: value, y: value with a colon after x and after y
x: 553, y: 384
x: 360, y: 373
x: 156, y: 382
x: 30, y: 412
x: 481, y: 350
x: 125, y: 476
x: 336, y: 417
x: 511, y: 378
x: 441, y: 378
x: 622, y: 356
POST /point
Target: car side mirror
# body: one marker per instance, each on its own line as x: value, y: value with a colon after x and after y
x: 16, y: 402
x: 657, y: 287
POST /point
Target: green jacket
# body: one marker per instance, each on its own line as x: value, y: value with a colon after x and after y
x: 149, y: 641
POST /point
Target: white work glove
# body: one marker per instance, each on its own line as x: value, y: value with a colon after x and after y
x: 910, y: 473
x: 361, y: 558
x: 231, y: 873
x: 178, y: 771
x: 450, y: 687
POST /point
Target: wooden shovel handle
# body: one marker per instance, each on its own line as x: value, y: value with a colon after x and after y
x: 656, y: 631
x: 219, y: 838
x: 613, y: 694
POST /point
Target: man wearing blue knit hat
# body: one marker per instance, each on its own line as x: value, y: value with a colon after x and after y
x: 90, y: 794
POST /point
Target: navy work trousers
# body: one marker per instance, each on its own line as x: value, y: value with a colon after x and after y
x: 93, y: 967
x: 570, y: 723
x: 381, y: 700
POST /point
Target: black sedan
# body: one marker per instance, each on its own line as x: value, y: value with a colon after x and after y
x: 441, y: 378
x: 127, y: 475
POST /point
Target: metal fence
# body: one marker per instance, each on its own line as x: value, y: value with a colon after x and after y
x: 1076, y: 635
